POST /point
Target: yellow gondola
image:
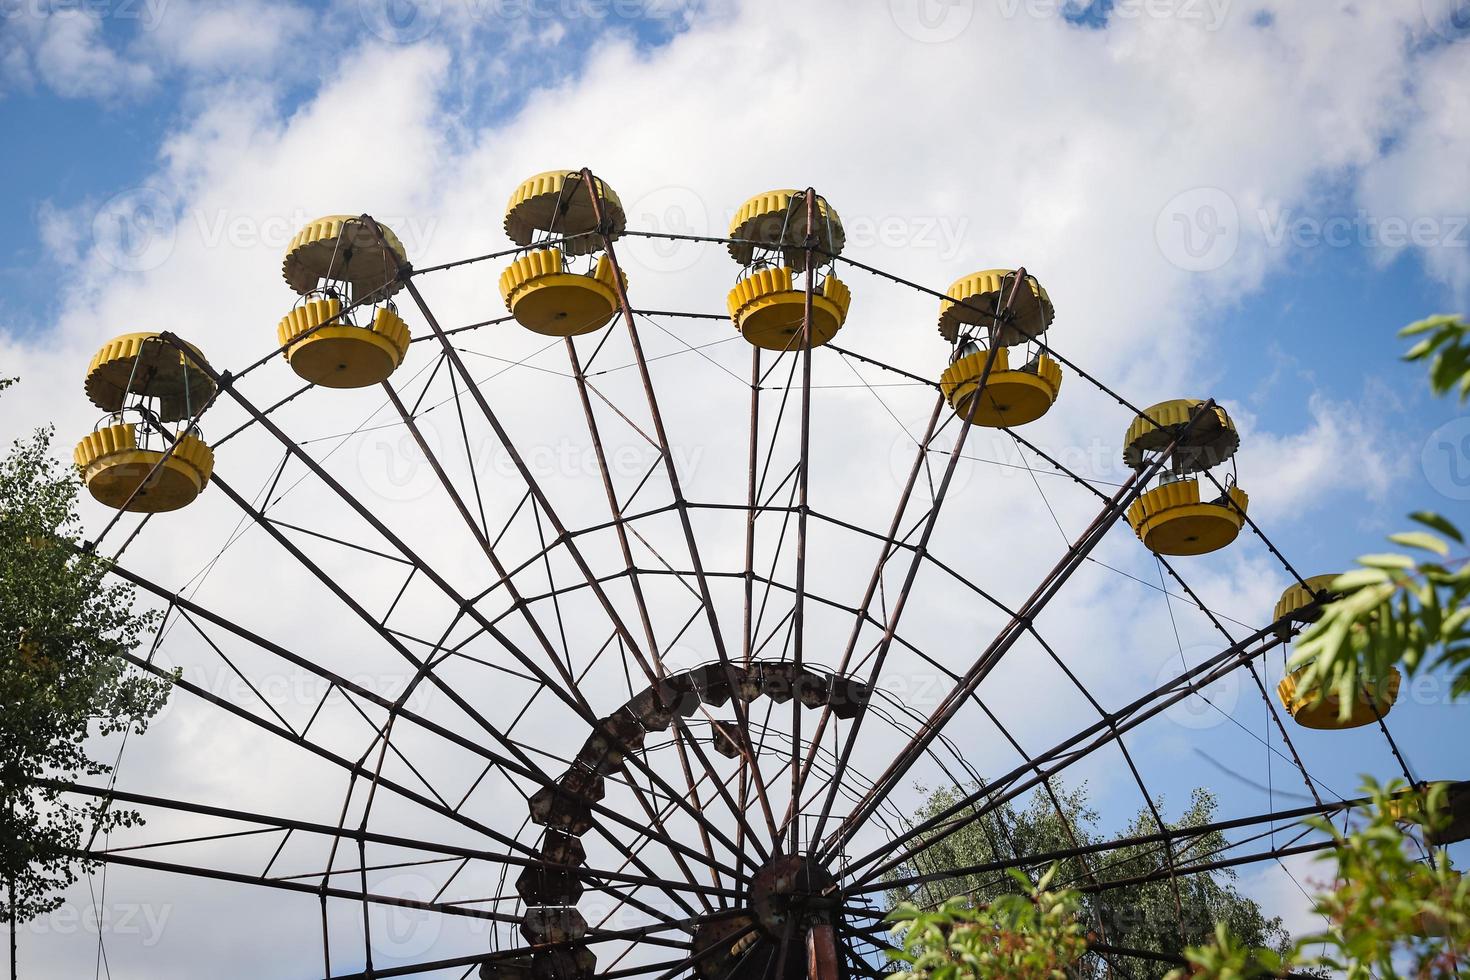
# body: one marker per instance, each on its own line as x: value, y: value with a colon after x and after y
x: 1309, y: 706
x: 777, y: 220
x: 140, y: 374
x: 344, y: 248
x: 768, y: 311
x: 331, y: 258
x: 975, y: 321
x: 335, y: 354
x: 547, y: 299
x: 552, y: 214
x: 768, y: 303
x: 1175, y: 517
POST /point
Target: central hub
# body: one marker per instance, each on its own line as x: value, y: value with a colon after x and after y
x: 791, y: 892
x: 788, y: 897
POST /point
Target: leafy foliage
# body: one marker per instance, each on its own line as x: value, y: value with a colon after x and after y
x: 1388, y: 915
x: 1033, y: 934
x: 1387, y: 911
x: 1141, y: 916
x: 1446, y: 348
x: 1400, y: 608
x: 62, y: 628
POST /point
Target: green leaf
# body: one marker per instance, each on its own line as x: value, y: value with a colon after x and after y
x: 1387, y: 560
x: 1422, y: 540
x: 1439, y: 523
x: 1358, y: 578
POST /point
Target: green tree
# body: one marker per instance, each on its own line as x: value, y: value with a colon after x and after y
x: 1397, y: 608
x: 1031, y: 934
x: 1389, y: 914
x: 1163, y: 916
x: 62, y: 629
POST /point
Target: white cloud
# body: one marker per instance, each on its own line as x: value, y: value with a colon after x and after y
x: 1031, y: 140
x: 1348, y: 448
x: 1416, y: 182
x: 65, y: 50
x: 224, y: 38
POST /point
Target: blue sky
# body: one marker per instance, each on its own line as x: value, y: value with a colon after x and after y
x: 1217, y: 205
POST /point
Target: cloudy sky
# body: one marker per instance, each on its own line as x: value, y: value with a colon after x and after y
x: 1241, y: 200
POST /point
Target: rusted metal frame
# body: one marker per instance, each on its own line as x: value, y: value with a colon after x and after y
x: 1255, y: 676
x: 522, y: 765
x: 648, y: 317
x: 320, y: 536
x: 204, y: 838
x: 662, y: 560
x: 901, y: 600
x: 695, y: 955
x: 470, y: 962
x: 1072, y: 749
x: 1067, y: 362
x: 1199, y: 603
x: 464, y: 434
x: 1046, y: 784
x: 339, y: 832
x: 512, y: 609
x: 752, y: 452
x: 184, y: 613
x: 876, y: 576
x: 595, y: 195
x: 268, y: 410
x: 385, y: 735
x: 762, y: 506
x: 372, y: 519
x: 109, y: 857
x: 657, y: 822
x: 645, y: 934
x: 655, y: 671
x: 1295, y: 759
x: 1026, y: 615
x: 492, y: 322
x: 580, y: 532
x: 553, y: 242
x: 725, y: 895
x: 1274, y: 854
x: 803, y: 481
x: 561, y: 627
x: 395, y: 750
x: 1170, y: 835
x: 1127, y: 758
x: 821, y: 952
x: 578, y: 704
x: 581, y: 376
x: 770, y: 576
x: 539, y: 497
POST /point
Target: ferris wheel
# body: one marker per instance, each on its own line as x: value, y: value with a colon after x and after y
x: 645, y: 728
